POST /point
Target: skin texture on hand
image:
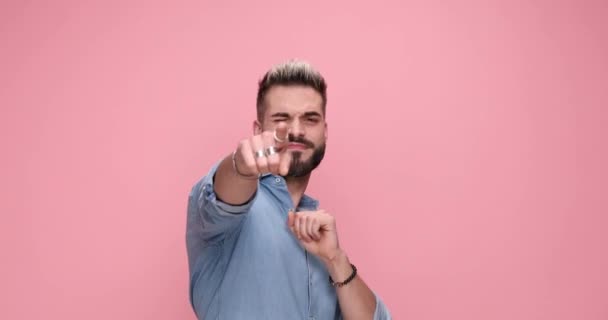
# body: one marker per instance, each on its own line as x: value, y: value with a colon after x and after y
x: 316, y: 231
x: 233, y: 183
x: 276, y: 163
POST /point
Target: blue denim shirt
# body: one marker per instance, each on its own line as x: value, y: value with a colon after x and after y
x: 245, y: 263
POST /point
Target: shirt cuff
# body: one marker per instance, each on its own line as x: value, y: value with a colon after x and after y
x: 223, y: 208
x: 381, y: 312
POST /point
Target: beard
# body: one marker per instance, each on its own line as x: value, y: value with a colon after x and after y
x: 299, y: 167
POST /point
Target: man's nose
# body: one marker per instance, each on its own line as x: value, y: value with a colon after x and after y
x: 297, y: 128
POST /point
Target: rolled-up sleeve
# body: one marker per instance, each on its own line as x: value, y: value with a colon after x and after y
x: 381, y: 312
x: 215, y: 216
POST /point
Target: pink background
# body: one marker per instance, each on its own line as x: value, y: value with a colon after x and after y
x: 466, y: 161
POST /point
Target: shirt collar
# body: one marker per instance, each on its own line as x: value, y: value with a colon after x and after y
x: 306, y: 202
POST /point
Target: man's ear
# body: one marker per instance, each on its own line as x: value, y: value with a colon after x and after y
x: 326, y: 131
x: 257, y: 127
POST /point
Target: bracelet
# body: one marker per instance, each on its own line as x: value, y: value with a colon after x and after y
x: 345, y: 282
x: 248, y: 177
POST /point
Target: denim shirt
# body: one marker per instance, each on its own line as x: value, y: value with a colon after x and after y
x: 245, y: 263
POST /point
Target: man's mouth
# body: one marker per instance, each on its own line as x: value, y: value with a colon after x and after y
x: 296, y: 146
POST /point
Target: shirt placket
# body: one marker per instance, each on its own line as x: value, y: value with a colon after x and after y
x: 310, y: 292
x: 310, y: 316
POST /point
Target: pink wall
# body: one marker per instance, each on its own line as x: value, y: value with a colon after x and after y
x: 472, y: 135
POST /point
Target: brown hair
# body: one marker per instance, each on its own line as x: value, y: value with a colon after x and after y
x: 292, y: 72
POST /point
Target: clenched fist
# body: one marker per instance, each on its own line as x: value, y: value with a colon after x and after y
x: 316, y: 231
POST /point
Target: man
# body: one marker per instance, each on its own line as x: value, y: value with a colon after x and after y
x: 258, y: 247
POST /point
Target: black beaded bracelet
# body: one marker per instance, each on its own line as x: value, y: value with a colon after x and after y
x: 345, y: 282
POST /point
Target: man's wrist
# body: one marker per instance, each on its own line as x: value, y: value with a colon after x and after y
x: 238, y: 173
x: 338, y: 266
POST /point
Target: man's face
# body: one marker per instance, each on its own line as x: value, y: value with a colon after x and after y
x: 301, y: 109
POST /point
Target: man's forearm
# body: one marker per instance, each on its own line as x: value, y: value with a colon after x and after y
x: 230, y: 187
x: 356, y: 300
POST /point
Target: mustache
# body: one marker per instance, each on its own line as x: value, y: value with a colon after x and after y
x: 308, y: 143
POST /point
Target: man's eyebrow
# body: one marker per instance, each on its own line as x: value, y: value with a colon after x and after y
x: 280, y: 115
x: 286, y: 115
x: 312, y: 114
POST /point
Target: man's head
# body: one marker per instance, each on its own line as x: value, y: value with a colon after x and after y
x: 295, y: 94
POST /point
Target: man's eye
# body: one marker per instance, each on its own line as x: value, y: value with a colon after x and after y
x: 313, y: 120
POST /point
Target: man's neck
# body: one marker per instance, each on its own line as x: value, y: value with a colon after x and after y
x: 296, y: 187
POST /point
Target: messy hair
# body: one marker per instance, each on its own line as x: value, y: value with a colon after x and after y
x: 292, y: 72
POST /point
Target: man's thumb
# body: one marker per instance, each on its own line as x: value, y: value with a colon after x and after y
x: 290, y: 217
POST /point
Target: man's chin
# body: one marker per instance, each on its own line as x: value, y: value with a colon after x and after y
x: 301, y: 155
x: 303, y: 162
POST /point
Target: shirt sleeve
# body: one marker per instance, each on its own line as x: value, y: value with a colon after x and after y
x: 381, y: 312
x: 216, y: 217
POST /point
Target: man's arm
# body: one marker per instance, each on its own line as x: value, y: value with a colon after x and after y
x: 224, y: 195
x: 317, y: 233
x: 236, y: 179
x: 231, y: 187
x: 356, y: 300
